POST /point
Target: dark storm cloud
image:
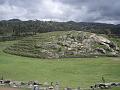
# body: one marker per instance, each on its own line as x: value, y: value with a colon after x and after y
x: 98, y: 10
x: 1, y: 1
x: 106, y: 11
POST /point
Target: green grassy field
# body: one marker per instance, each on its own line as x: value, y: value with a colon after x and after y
x: 71, y: 72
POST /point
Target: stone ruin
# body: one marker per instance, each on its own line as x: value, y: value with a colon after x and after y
x: 35, y: 85
x: 32, y: 85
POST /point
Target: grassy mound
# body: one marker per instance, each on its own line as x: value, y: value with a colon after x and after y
x: 64, y: 44
x: 29, y: 46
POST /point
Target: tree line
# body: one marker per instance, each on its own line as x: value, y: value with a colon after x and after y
x: 17, y: 28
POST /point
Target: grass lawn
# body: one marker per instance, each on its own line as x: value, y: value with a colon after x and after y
x: 71, y: 72
x: 7, y: 88
x: 115, y: 88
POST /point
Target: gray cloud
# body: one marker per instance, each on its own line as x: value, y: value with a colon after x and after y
x: 98, y: 10
x: 106, y: 11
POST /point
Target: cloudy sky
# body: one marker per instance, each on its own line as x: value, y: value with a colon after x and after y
x: 106, y: 11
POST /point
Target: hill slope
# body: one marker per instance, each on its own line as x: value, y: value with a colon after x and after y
x: 64, y: 44
x: 70, y: 72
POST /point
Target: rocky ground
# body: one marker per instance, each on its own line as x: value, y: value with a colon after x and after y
x: 68, y: 44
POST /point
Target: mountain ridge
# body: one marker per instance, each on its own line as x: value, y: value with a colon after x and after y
x: 18, y: 28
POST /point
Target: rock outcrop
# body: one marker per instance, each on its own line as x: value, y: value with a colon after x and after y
x: 72, y: 44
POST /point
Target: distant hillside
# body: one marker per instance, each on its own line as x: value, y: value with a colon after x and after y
x: 64, y: 44
x: 16, y: 27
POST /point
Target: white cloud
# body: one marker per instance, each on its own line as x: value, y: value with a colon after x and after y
x: 53, y: 7
x: 61, y: 10
x: 108, y: 21
x: 10, y: 11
